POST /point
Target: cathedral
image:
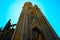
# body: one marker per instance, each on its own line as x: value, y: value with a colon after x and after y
x: 32, y: 25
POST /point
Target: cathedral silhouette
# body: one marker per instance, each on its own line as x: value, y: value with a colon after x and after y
x: 32, y: 25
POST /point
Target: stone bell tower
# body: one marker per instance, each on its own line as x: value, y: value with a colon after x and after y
x: 32, y: 25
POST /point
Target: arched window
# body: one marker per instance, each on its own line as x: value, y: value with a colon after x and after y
x: 36, y: 35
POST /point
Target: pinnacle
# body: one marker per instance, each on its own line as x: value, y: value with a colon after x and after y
x: 28, y: 4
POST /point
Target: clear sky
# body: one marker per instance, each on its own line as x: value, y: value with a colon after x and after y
x: 11, y: 9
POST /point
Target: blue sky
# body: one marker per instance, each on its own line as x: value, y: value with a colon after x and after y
x: 11, y: 9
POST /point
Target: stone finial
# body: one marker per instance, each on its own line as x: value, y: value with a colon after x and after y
x: 28, y: 4
x: 36, y: 8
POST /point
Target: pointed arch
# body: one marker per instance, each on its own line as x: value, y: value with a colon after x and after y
x: 35, y: 23
x: 36, y: 31
x: 36, y: 34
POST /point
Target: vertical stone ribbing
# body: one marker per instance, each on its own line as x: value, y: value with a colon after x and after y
x: 30, y: 18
